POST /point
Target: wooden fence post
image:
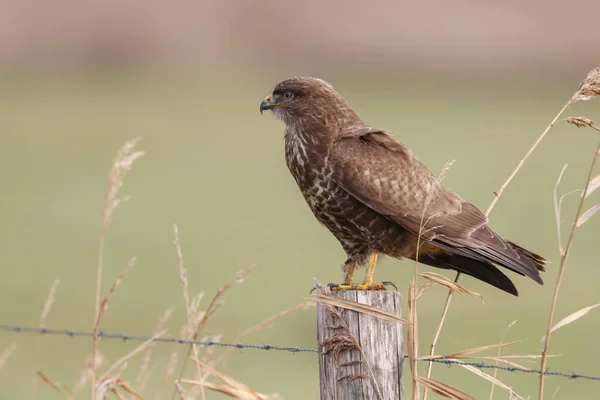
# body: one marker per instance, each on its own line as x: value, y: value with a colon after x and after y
x: 361, y: 356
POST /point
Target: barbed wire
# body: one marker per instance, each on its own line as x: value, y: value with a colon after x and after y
x: 482, y: 365
x: 266, y: 346
x: 127, y: 337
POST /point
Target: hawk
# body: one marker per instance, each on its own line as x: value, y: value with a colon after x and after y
x: 376, y: 197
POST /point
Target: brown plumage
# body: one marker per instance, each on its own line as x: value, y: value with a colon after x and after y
x: 375, y: 196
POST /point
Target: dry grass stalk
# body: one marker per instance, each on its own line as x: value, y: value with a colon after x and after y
x: 439, y: 329
x: 232, y: 387
x: 105, y: 386
x: 121, y: 362
x: 490, y: 378
x: 49, y: 302
x: 240, y: 278
x: 361, y: 308
x: 179, y: 390
x: 509, y: 363
x: 48, y: 382
x: 6, y: 353
x: 147, y: 376
x: 192, y: 321
x: 85, y: 375
x: 116, y: 283
x: 498, y: 356
x: 558, y: 209
x: 593, y: 186
x: 586, y: 215
x: 119, y: 169
x: 561, y: 270
x: 111, y: 384
x: 440, y: 279
x: 339, y: 343
x: 214, y: 305
x: 467, y: 353
x: 442, y: 389
x: 412, y: 335
x: 571, y: 318
x: 44, y: 314
x: 143, y: 373
x: 422, y: 289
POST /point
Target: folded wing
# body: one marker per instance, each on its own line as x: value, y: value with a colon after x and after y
x: 384, y: 174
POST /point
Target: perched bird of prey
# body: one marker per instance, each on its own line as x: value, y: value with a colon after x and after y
x: 376, y: 197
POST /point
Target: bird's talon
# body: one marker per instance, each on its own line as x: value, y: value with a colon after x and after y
x: 388, y: 283
x: 334, y: 287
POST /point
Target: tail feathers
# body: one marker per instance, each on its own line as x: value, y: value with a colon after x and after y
x: 487, y: 246
x: 536, y: 260
x: 479, y: 269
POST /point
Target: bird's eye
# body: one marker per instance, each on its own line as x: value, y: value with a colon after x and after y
x: 288, y: 95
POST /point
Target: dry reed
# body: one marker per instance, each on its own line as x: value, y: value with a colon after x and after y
x: 119, y: 169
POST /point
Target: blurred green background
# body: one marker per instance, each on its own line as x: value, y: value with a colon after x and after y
x: 476, y: 93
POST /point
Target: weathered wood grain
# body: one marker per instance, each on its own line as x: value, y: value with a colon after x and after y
x: 376, y: 371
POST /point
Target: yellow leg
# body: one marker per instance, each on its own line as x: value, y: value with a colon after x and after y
x: 367, y: 283
x: 348, y: 278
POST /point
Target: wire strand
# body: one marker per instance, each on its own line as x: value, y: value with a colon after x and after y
x: 265, y: 346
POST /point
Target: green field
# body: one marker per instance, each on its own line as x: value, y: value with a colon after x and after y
x: 215, y: 167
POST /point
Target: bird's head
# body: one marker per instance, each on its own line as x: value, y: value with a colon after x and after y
x: 307, y: 100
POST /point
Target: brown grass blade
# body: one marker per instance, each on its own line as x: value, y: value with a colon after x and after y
x: 585, y: 217
x: 449, y: 283
x: 490, y: 378
x: 46, y: 381
x: 127, y: 388
x: 361, y: 308
x: 118, y: 395
x: 571, y: 318
x: 442, y: 389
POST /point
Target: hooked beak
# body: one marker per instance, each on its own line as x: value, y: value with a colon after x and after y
x: 266, y: 104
